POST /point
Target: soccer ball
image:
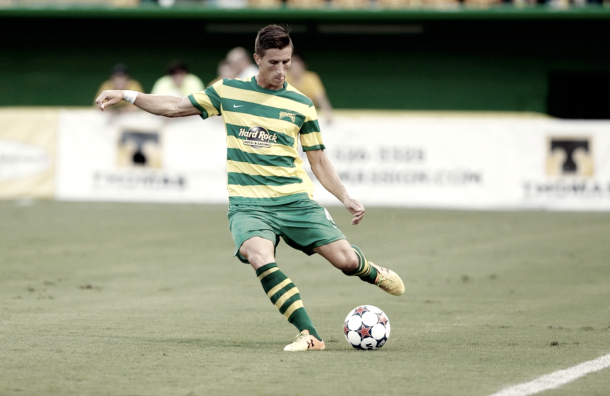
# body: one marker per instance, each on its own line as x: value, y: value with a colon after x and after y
x: 366, y: 327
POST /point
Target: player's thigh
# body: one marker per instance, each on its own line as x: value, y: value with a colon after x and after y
x: 308, y: 225
x: 246, y: 223
x: 340, y: 254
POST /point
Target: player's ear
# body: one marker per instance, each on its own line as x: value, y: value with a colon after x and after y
x: 257, y: 59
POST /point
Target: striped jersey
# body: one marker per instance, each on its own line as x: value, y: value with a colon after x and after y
x: 263, y: 129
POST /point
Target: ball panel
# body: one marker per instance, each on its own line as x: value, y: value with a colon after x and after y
x: 369, y: 318
x: 378, y: 331
x: 368, y: 343
x: 354, y: 322
x: 353, y: 338
x: 374, y: 309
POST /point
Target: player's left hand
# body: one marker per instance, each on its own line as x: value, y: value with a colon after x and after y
x: 356, y: 208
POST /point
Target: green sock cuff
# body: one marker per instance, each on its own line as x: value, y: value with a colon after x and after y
x: 369, y: 274
x: 264, y: 268
x: 361, y: 262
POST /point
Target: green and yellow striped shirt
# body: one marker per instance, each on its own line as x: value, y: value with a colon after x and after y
x: 262, y: 127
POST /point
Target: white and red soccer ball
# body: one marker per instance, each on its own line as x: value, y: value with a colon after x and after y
x: 366, y: 327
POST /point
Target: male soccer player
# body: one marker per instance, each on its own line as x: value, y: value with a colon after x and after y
x: 270, y: 195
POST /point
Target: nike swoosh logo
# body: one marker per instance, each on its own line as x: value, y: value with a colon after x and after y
x: 238, y: 106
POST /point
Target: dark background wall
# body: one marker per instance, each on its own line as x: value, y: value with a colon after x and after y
x: 390, y: 60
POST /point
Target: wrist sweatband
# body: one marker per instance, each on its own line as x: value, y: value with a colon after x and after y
x: 130, y: 96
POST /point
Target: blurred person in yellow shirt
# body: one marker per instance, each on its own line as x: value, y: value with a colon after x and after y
x: 310, y: 85
x: 120, y: 78
x: 178, y: 81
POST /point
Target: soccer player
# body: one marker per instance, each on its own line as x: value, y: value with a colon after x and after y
x: 270, y: 195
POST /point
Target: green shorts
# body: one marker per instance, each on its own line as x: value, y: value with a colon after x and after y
x: 304, y: 225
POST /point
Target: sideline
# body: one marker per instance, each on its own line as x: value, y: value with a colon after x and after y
x: 556, y: 379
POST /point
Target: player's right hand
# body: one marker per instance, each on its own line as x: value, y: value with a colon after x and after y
x: 356, y: 208
x: 109, y: 98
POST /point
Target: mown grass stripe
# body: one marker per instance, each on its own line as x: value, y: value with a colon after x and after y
x: 244, y: 179
x: 234, y: 154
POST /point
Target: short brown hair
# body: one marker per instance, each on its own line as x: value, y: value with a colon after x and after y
x: 272, y: 37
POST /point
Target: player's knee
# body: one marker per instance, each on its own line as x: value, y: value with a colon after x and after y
x: 348, y: 262
x: 257, y: 258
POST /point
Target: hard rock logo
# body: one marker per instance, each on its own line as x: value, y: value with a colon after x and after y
x: 257, y: 137
x: 285, y: 114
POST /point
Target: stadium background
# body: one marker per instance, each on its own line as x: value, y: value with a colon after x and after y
x: 499, y: 58
x: 144, y: 298
x: 463, y: 59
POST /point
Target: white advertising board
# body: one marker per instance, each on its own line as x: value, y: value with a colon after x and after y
x: 27, y: 153
x: 384, y: 160
x: 473, y: 163
x: 140, y: 157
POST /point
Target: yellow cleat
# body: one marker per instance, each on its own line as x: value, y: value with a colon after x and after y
x: 388, y: 281
x: 305, y: 342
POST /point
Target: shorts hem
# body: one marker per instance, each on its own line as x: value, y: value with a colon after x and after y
x: 324, y: 242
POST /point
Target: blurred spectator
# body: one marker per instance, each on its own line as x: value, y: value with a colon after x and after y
x: 310, y: 84
x: 305, y: 3
x: 241, y: 62
x: 178, y: 81
x: 224, y: 71
x: 120, y: 78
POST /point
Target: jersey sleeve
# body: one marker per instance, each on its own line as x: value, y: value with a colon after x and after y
x: 311, y: 138
x: 208, y: 100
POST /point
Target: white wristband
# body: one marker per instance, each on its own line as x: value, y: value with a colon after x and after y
x: 130, y: 96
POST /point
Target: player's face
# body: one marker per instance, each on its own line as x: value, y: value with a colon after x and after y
x: 272, y: 67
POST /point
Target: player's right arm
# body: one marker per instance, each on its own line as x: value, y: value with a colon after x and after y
x: 163, y: 105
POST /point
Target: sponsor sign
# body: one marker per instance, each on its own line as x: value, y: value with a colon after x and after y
x: 419, y: 162
x: 140, y: 157
x: 384, y: 160
x: 575, y: 174
x: 27, y: 152
x: 19, y: 160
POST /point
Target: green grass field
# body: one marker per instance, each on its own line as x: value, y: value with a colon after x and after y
x: 146, y: 299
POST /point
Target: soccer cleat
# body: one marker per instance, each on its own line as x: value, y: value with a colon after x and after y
x: 388, y: 281
x: 305, y: 342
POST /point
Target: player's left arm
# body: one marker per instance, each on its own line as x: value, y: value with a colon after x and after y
x: 327, y: 175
